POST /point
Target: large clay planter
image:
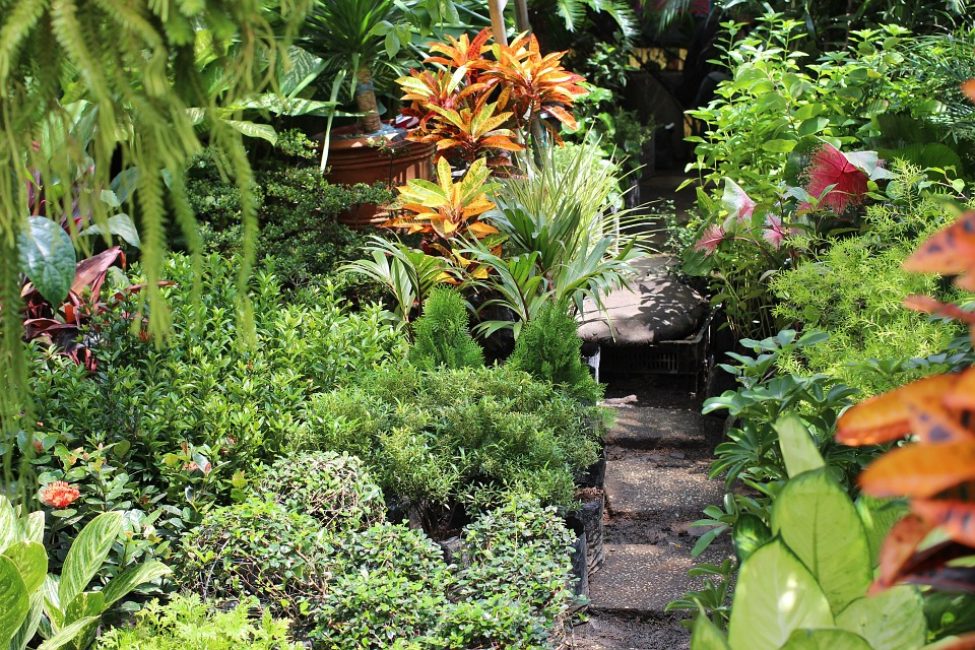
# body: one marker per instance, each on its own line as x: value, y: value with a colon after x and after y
x: 384, y: 158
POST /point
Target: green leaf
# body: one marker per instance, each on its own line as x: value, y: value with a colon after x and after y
x: 878, y: 517
x: 85, y: 604
x: 798, y: 449
x: 69, y: 633
x: 254, y: 130
x: 120, y: 225
x: 27, y: 630
x: 87, y: 555
x: 9, y: 528
x: 34, y: 527
x: 14, y: 602
x: 813, y: 125
x: 779, y: 146
x: 892, y: 620
x: 750, y: 534
x: 817, y: 520
x: 30, y: 558
x: 707, y: 636
x: 47, y: 258
x: 776, y: 595
x: 131, y: 578
x: 825, y: 640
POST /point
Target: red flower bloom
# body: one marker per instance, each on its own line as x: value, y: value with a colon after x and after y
x: 710, y: 240
x: 58, y: 494
x: 830, y: 167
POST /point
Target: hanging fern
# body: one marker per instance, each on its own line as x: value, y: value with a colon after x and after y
x: 128, y: 72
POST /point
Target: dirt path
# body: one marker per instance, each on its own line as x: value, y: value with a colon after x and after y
x: 658, y: 455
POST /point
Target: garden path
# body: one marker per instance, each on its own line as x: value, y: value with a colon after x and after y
x: 658, y: 451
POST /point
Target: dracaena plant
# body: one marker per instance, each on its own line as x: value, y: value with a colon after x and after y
x: 58, y: 607
x: 448, y: 209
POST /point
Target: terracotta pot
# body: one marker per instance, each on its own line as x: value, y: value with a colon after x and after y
x: 387, y: 157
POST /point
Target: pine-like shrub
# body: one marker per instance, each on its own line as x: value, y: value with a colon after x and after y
x: 442, y: 335
x: 549, y: 348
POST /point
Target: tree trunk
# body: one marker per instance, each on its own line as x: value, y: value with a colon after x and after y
x: 496, y: 9
x: 365, y: 101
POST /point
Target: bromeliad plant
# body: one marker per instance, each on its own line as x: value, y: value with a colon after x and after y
x: 31, y: 600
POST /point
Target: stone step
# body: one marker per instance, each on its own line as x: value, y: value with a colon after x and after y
x: 611, y: 632
x: 640, y: 579
x: 650, y: 427
x: 649, y: 486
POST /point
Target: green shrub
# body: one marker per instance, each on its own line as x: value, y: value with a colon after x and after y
x: 549, y: 349
x: 435, y: 438
x: 187, y: 423
x: 391, y: 585
x: 854, y: 291
x: 518, y: 578
x: 333, y: 489
x: 258, y: 548
x: 297, y: 212
x: 442, y: 335
x: 188, y: 623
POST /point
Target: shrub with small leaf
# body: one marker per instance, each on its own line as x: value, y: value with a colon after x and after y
x: 189, y: 623
x: 334, y: 489
x: 442, y: 335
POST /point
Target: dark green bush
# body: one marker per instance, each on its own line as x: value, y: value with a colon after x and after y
x: 297, y: 212
x: 333, y: 489
x: 258, y: 549
x: 468, y: 435
x: 549, y: 348
x: 190, y: 421
x: 189, y: 623
x: 442, y: 335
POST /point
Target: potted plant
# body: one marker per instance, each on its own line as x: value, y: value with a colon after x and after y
x: 352, y: 37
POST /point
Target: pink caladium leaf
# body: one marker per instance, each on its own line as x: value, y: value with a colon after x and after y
x: 738, y: 203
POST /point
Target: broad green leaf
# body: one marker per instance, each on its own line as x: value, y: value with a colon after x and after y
x: 816, y: 519
x: 254, y: 130
x: 707, y: 636
x: 878, y: 516
x: 775, y: 596
x: 779, y: 146
x: 47, y: 258
x: 14, y: 601
x: 30, y: 558
x: 750, y: 533
x: 892, y: 620
x: 798, y: 449
x: 28, y: 629
x: 131, y: 578
x: 120, y: 225
x: 85, y: 604
x: 69, y: 633
x: 52, y: 604
x: 34, y: 527
x: 9, y: 528
x: 87, y: 554
x: 826, y: 640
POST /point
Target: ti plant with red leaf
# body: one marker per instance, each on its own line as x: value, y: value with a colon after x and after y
x: 937, y: 472
x: 447, y: 208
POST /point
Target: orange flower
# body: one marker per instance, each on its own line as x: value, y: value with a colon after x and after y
x: 58, y: 494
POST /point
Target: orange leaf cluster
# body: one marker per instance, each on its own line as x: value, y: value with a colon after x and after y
x: 473, y: 104
x: 937, y: 473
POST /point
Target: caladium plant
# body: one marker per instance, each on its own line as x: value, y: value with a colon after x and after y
x: 447, y: 208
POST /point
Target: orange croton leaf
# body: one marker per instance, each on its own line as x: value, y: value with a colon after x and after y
x: 928, y: 305
x: 932, y: 423
x: 463, y: 51
x: 968, y: 87
x: 957, y: 518
x: 897, y: 550
x: 950, y: 251
x: 920, y: 471
x: 887, y: 417
x: 961, y: 396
